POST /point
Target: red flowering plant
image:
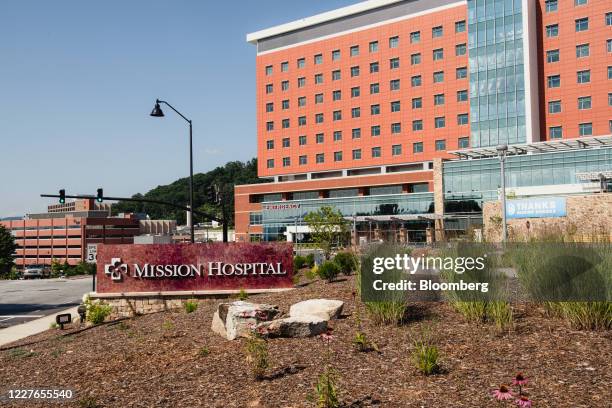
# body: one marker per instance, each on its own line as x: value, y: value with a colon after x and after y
x: 521, y: 399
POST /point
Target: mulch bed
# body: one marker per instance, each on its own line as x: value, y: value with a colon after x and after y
x: 154, y: 361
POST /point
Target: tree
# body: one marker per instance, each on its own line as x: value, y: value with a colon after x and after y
x: 7, y: 250
x: 327, y: 225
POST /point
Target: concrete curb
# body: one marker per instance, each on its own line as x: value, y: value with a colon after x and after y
x: 20, y: 331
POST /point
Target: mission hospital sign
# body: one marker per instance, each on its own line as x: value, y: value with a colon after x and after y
x: 193, y: 267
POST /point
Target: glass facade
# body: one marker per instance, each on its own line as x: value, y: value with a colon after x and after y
x: 497, y: 83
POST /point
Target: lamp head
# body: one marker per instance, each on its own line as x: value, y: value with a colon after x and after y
x: 502, y: 148
x: 157, y: 112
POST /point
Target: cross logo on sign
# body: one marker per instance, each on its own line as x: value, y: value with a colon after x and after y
x: 116, y: 269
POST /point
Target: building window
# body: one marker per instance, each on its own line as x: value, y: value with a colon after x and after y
x: 270, y: 163
x: 302, y: 140
x: 582, y: 50
x: 394, y: 42
x: 301, y: 121
x: 319, y: 98
x: 585, y: 129
x: 582, y: 24
x: 610, y: 72
x: 394, y: 84
x: 285, y: 85
x: 415, y: 81
x: 374, y: 109
x: 396, y: 150
x: 357, y: 154
x: 440, y: 122
x: 286, y: 142
x: 439, y: 99
x: 269, y: 144
x: 584, y: 102
x: 336, y: 75
x: 417, y: 125
x: 610, y: 126
x: 374, y: 88
x: 417, y: 147
x: 397, y: 127
x: 462, y: 95
x: 355, y: 71
x: 318, y: 59
x: 320, y: 158
x: 584, y: 77
x: 373, y: 47
x: 354, y: 50
x: 336, y: 95
x: 554, y: 106
x: 462, y: 119
x: 318, y: 78
x: 437, y: 32
x: 440, y: 145
x: 395, y: 106
x: 460, y: 26
x: 269, y: 70
x: 335, y: 55
x: 269, y: 88
x: 552, y: 56
x: 415, y: 59
x: 319, y: 118
x: 415, y: 37
x: 464, y: 142
x: 552, y: 30
x: 269, y: 126
x: 394, y: 63
x: 337, y: 115
x: 375, y: 130
x: 270, y: 107
x: 301, y: 62
x: 609, y: 45
x: 438, y: 76
x: 375, y: 152
x: 551, y: 6
x: 580, y: 2
x: 461, y: 72
x: 609, y: 18
x: 460, y: 49
x: 417, y: 103
x: 320, y: 138
x: 303, y: 160
x: 285, y: 104
x: 555, y: 132
x: 284, y: 66
x: 302, y: 101
x: 337, y: 135
x: 356, y: 133
x: 301, y: 82
x: 337, y: 156
x: 355, y: 92
x: 554, y: 81
x: 610, y: 99
x: 355, y: 112
x: 438, y: 54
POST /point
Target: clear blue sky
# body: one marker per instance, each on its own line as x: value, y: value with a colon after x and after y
x: 78, y: 80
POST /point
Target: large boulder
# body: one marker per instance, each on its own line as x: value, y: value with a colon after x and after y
x: 294, y: 326
x: 324, y: 308
x: 238, y: 319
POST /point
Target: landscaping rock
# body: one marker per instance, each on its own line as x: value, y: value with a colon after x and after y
x: 237, y: 319
x: 294, y: 326
x: 324, y: 308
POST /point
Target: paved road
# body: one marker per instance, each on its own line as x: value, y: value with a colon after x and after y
x: 24, y: 300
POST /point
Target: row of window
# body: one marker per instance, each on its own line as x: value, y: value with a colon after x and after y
x: 552, y: 30
x: 582, y: 51
x: 584, y: 103
x: 417, y: 124
x: 582, y: 77
x: 584, y: 129
x: 553, y: 5
x: 373, y: 46
x: 375, y: 152
x: 438, y: 76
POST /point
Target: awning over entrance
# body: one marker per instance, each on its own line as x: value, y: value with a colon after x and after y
x: 399, y: 217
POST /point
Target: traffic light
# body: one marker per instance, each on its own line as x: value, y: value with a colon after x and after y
x: 62, y: 196
x: 100, y: 196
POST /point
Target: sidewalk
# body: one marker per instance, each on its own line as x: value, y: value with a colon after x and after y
x: 18, y: 332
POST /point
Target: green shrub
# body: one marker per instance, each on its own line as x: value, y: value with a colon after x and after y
x: 425, y: 357
x: 191, y: 306
x: 243, y: 295
x: 97, y: 312
x: 326, y: 390
x: 203, y: 351
x: 500, y: 313
x: 310, y: 260
x: 584, y: 315
x: 298, y: 263
x: 328, y: 270
x: 475, y: 312
x: 391, y: 312
x: 347, y: 262
x: 257, y: 356
x: 312, y: 272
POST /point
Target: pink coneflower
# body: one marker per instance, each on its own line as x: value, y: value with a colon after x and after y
x: 519, y: 380
x: 328, y: 336
x: 523, y: 402
x: 502, y: 393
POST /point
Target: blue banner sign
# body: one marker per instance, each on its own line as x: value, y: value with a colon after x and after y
x: 536, y: 208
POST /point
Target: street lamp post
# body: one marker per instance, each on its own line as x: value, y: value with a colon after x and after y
x: 502, y: 151
x: 158, y: 113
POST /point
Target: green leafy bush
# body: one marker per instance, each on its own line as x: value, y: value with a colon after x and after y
x: 98, y: 312
x: 191, y: 306
x: 385, y: 313
x: 326, y: 390
x: 425, y: 357
x: 310, y: 260
x: 347, y: 262
x: 298, y: 263
x: 584, y: 315
x: 257, y: 356
x: 500, y: 313
x: 243, y: 295
x: 328, y: 270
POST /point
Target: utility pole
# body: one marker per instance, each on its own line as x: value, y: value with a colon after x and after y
x: 502, y: 152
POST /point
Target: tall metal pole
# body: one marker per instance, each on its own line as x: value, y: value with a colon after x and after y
x: 502, y: 160
x: 191, y: 180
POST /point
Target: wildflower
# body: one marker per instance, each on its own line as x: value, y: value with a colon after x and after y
x: 328, y: 336
x: 523, y: 402
x: 502, y: 393
x: 519, y: 380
